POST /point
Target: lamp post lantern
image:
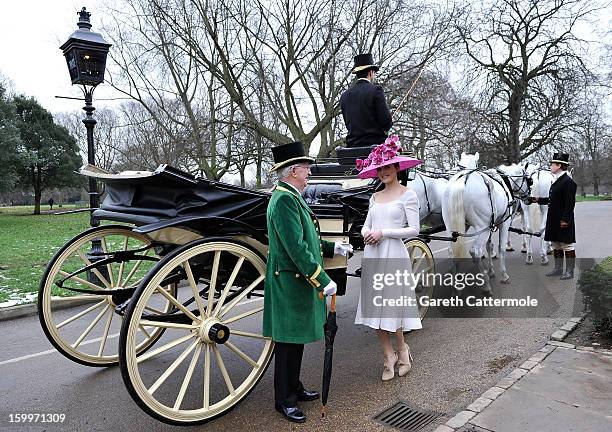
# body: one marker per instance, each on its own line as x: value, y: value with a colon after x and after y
x: 85, y: 53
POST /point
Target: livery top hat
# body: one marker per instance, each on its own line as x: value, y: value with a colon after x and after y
x: 560, y: 158
x: 289, y: 154
x: 364, y: 62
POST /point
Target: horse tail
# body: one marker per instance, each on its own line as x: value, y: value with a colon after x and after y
x: 457, y: 216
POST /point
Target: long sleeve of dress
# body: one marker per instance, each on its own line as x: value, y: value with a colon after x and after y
x: 367, y: 225
x: 411, y: 207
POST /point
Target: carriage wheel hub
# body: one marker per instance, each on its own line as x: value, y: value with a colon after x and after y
x: 212, y: 331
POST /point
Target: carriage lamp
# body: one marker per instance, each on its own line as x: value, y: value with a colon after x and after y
x: 85, y: 52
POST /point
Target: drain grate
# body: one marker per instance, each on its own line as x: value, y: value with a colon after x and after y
x: 406, y: 418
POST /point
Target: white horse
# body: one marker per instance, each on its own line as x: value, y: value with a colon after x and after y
x: 483, y: 201
x: 534, y: 215
x: 430, y: 192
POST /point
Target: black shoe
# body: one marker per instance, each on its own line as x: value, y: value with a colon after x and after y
x: 306, y: 395
x: 293, y: 414
x: 567, y: 275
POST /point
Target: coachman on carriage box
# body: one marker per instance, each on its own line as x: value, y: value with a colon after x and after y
x: 560, y: 227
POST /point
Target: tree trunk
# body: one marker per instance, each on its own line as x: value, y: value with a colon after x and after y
x: 513, y: 152
x: 595, y: 184
x: 37, y: 192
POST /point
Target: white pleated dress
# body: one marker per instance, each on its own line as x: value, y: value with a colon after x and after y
x: 397, y: 220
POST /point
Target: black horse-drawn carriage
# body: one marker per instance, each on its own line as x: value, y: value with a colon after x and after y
x: 171, y: 284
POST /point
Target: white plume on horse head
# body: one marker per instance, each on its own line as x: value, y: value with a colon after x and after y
x: 469, y: 161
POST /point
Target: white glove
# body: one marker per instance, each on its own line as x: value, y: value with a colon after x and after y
x: 330, y: 288
x: 342, y: 248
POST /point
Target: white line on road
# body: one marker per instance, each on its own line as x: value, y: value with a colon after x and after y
x: 51, y: 351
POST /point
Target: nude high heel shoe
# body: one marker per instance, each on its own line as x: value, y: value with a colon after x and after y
x: 389, y: 367
x: 404, y: 361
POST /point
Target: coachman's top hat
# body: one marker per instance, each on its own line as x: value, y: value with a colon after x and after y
x: 364, y: 62
x: 289, y: 154
x: 561, y: 158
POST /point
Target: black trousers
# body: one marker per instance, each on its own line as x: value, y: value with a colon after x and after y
x: 287, y: 365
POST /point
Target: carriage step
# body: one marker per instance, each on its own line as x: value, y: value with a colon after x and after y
x: 406, y: 418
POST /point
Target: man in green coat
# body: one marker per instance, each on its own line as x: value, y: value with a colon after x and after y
x: 294, y: 313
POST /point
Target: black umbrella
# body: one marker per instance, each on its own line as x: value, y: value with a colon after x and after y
x: 330, y: 329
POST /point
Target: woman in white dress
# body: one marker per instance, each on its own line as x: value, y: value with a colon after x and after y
x: 393, y: 215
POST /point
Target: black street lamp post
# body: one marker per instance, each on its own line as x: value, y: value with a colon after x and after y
x: 85, y: 53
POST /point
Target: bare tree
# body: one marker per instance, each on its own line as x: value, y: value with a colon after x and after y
x: 533, y: 65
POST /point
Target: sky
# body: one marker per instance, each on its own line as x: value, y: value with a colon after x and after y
x: 31, y: 32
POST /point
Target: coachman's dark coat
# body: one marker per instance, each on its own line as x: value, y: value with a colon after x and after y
x: 561, y: 201
x: 366, y: 114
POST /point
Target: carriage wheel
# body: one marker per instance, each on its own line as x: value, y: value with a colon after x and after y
x: 84, y: 326
x: 422, y: 262
x: 214, y: 348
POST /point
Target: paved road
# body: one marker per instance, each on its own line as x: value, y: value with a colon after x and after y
x: 455, y: 361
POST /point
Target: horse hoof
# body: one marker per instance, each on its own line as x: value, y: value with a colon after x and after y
x: 486, y: 293
x: 509, y: 249
x: 544, y: 263
x: 523, y: 250
x: 529, y: 262
x: 505, y: 280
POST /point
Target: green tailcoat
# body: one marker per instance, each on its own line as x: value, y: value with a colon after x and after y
x: 293, y: 311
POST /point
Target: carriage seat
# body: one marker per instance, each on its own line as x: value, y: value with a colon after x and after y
x: 330, y: 169
x: 347, y: 155
x: 312, y: 193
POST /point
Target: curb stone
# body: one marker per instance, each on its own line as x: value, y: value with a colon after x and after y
x: 460, y: 419
x: 25, y: 310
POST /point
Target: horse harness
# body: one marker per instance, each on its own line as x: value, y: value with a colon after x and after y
x: 506, y: 187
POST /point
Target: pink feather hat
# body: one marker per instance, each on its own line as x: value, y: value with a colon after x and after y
x: 386, y: 153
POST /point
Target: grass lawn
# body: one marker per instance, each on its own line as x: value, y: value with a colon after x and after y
x: 580, y: 198
x: 27, y: 243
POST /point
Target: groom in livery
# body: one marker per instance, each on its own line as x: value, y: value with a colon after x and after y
x: 294, y: 313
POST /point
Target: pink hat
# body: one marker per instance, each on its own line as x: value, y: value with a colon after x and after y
x: 384, y: 154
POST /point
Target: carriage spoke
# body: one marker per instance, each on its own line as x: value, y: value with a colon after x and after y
x: 163, y: 348
x: 131, y: 273
x: 240, y: 296
x: 207, y: 377
x: 165, y: 324
x: 417, y: 263
x: 226, y: 377
x: 94, y: 270
x: 105, y: 334
x: 176, y: 363
x: 122, y: 263
x: 228, y: 286
x: 84, y: 298
x: 213, y: 282
x: 144, y: 330
x: 152, y: 309
x: 90, y: 327
x: 82, y: 281
x: 194, y: 288
x: 243, y: 315
x: 187, y: 379
x: 176, y: 303
x: 250, y: 335
x: 80, y: 314
x: 109, y: 266
x: 242, y: 355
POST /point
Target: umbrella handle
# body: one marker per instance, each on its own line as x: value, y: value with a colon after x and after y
x: 333, y: 301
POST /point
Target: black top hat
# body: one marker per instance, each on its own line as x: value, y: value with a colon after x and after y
x: 289, y: 154
x: 364, y: 62
x: 561, y: 158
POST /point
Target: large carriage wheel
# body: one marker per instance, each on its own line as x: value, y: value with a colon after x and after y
x: 422, y: 263
x: 84, y: 326
x: 213, y: 352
